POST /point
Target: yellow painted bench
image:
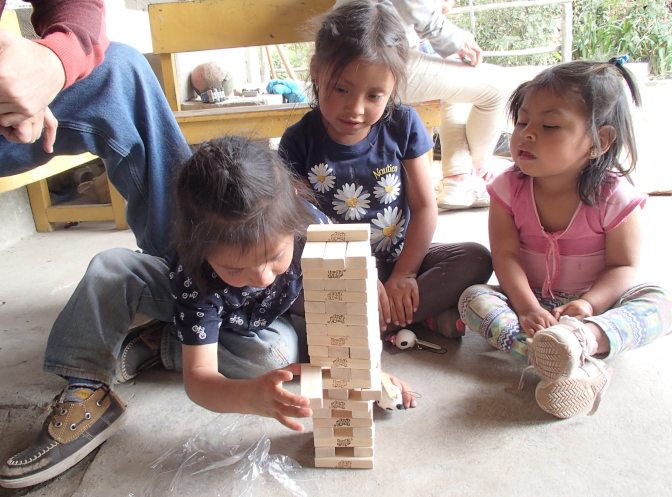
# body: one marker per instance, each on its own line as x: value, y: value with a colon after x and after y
x: 215, y: 24
x: 35, y: 180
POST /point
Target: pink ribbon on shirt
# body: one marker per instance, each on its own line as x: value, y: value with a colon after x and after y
x: 552, y: 259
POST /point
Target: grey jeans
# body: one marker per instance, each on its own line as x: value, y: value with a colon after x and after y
x: 86, y: 338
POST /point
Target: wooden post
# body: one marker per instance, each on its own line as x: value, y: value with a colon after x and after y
x: 270, y: 62
x: 285, y: 61
x: 566, y: 29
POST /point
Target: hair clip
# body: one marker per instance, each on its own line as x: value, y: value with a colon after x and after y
x: 620, y: 60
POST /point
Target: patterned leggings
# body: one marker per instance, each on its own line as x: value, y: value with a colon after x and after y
x: 639, y: 317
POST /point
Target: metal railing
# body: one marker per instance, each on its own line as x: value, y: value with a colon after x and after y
x: 565, y: 48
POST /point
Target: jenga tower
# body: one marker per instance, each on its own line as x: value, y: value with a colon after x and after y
x: 343, y: 379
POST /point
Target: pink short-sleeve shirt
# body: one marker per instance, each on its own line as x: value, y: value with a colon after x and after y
x: 566, y: 261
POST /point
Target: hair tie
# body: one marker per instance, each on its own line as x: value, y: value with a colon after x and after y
x: 620, y: 60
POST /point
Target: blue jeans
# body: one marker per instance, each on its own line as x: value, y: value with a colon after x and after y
x: 119, y: 113
x: 86, y: 338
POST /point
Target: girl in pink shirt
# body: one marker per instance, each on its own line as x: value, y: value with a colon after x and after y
x: 565, y: 235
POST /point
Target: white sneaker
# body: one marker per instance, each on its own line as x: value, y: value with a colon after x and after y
x: 559, y: 350
x: 464, y: 194
x: 571, y: 396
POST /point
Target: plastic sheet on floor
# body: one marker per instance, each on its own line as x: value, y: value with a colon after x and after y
x: 227, y: 457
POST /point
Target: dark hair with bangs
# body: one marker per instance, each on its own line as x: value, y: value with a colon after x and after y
x: 235, y: 192
x: 363, y: 30
x: 597, y: 88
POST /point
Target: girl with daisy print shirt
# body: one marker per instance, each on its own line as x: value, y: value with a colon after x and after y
x: 366, y: 159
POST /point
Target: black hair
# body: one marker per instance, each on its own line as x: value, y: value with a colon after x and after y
x: 235, y: 192
x: 597, y: 88
x: 362, y: 30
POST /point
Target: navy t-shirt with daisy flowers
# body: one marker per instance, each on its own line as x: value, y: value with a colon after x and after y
x: 361, y: 183
x: 199, y: 317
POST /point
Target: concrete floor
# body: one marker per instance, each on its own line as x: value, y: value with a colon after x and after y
x: 474, y: 432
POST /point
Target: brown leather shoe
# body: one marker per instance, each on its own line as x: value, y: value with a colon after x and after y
x: 70, y: 433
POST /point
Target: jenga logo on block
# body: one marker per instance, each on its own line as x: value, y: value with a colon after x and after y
x: 338, y: 404
x: 343, y: 442
x: 343, y: 422
x: 337, y: 318
x: 339, y: 383
x: 337, y: 236
x: 335, y: 296
x: 344, y: 464
x: 335, y: 273
x: 338, y: 341
x: 339, y: 363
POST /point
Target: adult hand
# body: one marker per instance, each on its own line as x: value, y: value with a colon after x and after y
x: 470, y: 50
x: 534, y: 320
x: 31, y: 76
x: 579, y: 309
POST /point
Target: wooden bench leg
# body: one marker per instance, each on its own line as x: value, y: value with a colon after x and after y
x: 118, y: 207
x: 39, y: 202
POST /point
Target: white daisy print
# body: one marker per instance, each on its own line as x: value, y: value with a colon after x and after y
x: 352, y: 203
x: 397, y: 252
x: 321, y: 178
x: 388, y: 189
x: 390, y: 225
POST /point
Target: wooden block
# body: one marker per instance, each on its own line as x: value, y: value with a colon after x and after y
x: 318, y: 351
x: 339, y: 232
x: 371, y: 319
x: 372, y: 393
x: 343, y: 442
x: 335, y: 307
x: 333, y: 383
x: 312, y: 256
x: 361, y: 374
x: 328, y: 362
x: 332, y: 284
x: 342, y: 274
x: 346, y: 341
x: 360, y: 308
x: 340, y: 296
x: 311, y: 377
x: 324, y: 432
x: 338, y: 422
x: 321, y: 413
x: 342, y: 352
x: 362, y: 451
x: 337, y: 330
x: 361, y: 285
x: 316, y: 329
x: 370, y: 352
x: 369, y: 332
x: 328, y: 451
x: 348, y: 408
x: 361, y: 431
x: 340, y: 462
x: 316, y: 307
x: 357, y: 255
x: 363, y: 414
x: 309, y: 284
x: 338, y: 413
x: 342, y: 373
x: 336, y: 394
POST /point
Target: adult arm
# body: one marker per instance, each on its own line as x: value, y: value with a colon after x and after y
x: 32, y: 73
x: 430, y: 23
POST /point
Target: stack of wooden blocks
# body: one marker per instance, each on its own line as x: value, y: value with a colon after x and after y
x: 343, y: 378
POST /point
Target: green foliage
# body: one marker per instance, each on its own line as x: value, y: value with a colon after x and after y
x: 299, y: 57
x: 515, y: 29
x: 641, y: 29
x: 601, y: 29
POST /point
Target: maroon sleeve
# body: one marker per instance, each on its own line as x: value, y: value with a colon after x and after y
x: 75, y: 31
